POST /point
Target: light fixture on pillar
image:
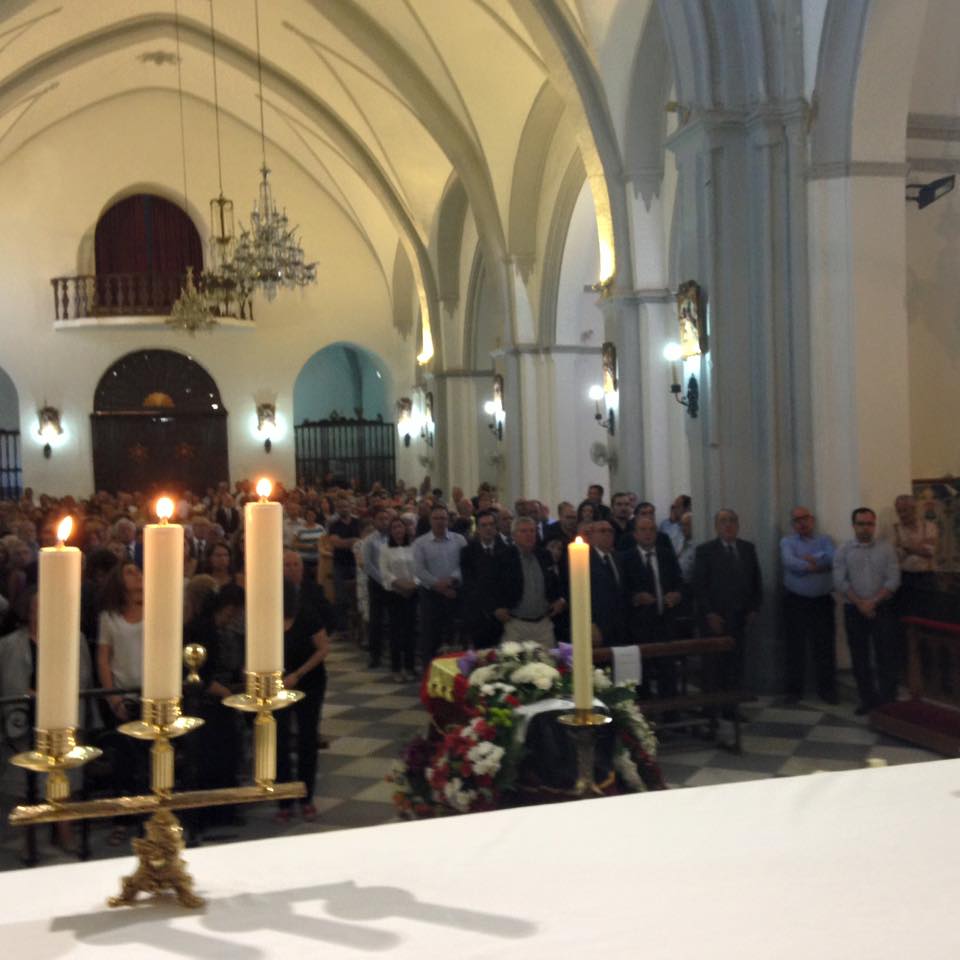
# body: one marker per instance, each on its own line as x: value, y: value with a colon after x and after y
x: 266, y: 424
x: 673, y: 354
x: 49, y: 428
x: 269, y: 254
x: 405, y: 419
x: 923, y: 194
x: 428, y: 428
x: 596, y: 394
x: 494, y: 408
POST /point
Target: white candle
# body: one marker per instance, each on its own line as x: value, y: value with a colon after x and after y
x: 58, y: 634
x: 578, y: 555
x: 162, y: 606
x: 263, y: 568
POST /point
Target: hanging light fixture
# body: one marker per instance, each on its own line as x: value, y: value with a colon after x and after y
x: 222, y: 282
x: 190, y: 312
x: 269, y: 254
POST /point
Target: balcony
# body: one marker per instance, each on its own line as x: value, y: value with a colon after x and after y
x: 132, y: 299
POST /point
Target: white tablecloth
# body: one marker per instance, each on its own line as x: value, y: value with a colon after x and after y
x: 862, y: 865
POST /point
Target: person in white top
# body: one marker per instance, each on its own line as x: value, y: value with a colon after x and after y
x: 400, y: 584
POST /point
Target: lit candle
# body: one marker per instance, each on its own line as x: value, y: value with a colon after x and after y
x: 578, y: 555
x: 263, y: 567
x: 58, y: 633
x: 162, y: 605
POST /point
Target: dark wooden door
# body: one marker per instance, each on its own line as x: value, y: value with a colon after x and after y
x: 151, y: 450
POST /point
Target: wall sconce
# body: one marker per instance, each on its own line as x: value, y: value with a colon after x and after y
x: 494, y: 408
x: 596, y: 394
x: 428, y: 427
x: 923, y: 194
x: 49, y: 428
x: 405, y: 419
x: 673, y: 354
x: 266, y: 424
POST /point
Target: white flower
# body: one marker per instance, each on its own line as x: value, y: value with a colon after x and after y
x: 458, y: 798
x: 492, y: 689
x: 601, y: 680
x: 624, y: 765
x: 531, y: 648
x: 487, y: 674
x: 510, y: 649
x: 485, y: 757
x: 541, y: 675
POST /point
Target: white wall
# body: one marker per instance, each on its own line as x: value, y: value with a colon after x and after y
x: 54, y: 190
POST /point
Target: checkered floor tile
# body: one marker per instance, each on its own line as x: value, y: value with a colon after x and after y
x: 368, y: 719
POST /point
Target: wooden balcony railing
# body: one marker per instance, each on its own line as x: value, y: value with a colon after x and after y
x: 130, y: 295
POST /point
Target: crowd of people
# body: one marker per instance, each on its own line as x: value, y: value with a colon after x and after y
x: 408, y: 573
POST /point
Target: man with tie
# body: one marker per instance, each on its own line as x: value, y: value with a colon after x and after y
x: 728, y: 591
x: 608, y: 610
x: 481, y: 564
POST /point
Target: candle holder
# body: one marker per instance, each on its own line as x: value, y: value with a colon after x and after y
x: 54, y: 753
x: 583, y: 726
x: 265, y: 693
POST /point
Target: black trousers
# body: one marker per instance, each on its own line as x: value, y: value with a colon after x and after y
x: 402, y: 614
x: 438, y: 622
x: 879, y: 636
x: 808, y: 622
x: 378, y: 614
x: 307, y: 712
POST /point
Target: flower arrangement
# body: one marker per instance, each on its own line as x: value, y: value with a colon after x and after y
x: 475, y: 764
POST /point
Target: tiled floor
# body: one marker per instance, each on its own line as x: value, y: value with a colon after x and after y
x: 368, y: 719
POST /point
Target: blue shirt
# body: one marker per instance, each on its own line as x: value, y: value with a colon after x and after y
x: 866, y: 568
x: 435, y: 559
x: 797, y: 576
x: 371, y: 555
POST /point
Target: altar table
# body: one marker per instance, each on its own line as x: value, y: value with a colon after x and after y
x: 860, y: 865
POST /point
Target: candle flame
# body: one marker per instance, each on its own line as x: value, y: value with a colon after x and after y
x: 164, y: 508
x: 65, y: 529
x: 264, y: 488
x: 578, y: 540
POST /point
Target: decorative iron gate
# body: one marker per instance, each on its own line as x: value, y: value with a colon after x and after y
x: 11, y: 473
x: 346, y: 451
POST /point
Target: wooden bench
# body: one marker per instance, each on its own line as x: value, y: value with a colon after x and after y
x: 704, y: 704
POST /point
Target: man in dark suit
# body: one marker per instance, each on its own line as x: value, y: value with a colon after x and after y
x: 481, y: 565
x: 728, y: 592
x: 564, y: 528
x: 653, y: 587
x: 606, y: 587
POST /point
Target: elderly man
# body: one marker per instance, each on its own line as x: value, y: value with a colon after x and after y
x: 608, y: 609
x: 436, y: 561
x: 807, y: 559
x: 673, y: 525
x: 728, y: 590
x: 866, y: 575
x: 531, y: 597
x: 482, y: 566
x: 915, y: 539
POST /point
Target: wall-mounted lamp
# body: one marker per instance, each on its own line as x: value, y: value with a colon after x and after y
x: 597, y: 395
x: 49, y: 428
x: 673, y: 354
x: 923, y: 194
x: 266, y: 424
x: 494, y: 408
x: 405, y: 419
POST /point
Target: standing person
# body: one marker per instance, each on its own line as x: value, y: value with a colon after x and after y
x: 915, y: 539
x: 728, y: 590
x: 607, y: 606
x: 595, y: 495
x: 307, y: 542
x: 344, y: 533
x: 373, y: 544
x: 397, y: 571
x: 673, y: 526
x: 564, y: 528
x: 621, y: 516
x: 686, y: 553
x: 437, y: 565
x: 305, y: 648
x: 481, y: 564
x: 807, y: 559
x: 866, y: 575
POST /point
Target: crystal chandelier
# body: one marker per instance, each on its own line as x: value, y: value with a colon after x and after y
x: 269, y: 255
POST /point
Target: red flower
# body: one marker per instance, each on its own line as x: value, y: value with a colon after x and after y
x: 511, y: 700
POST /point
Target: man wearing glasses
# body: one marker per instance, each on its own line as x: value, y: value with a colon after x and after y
x: 807, y: 559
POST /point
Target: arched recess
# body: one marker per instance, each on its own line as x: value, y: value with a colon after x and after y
x: 11, y: 476
x: 158, y: 421
x: 527, y: 184
x: 450, y: 224
x: 342, y: 405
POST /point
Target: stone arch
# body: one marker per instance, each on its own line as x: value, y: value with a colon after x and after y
x: 526, y: 187
x: 450, y: 224
x: 342, y: 377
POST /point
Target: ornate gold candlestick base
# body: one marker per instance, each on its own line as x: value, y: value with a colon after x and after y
x: 55, y: 752
x: 265, y: 693
x: 161, y: 722
x: 160, y: 869
x: 583, y: 726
